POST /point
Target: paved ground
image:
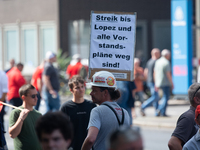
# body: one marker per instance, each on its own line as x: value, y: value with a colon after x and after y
x: 174, y: 110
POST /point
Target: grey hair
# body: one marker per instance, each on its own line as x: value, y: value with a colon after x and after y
x: 165, y: 52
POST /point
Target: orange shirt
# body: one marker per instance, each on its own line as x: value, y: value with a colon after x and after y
x: 138, y: 74
x: 73, y: 69
x: 15, y: 81
x: 37, y: 75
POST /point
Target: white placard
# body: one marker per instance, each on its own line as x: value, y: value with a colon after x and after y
x: 112, y: 41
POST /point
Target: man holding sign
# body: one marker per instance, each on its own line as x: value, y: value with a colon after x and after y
x: 22, y: 122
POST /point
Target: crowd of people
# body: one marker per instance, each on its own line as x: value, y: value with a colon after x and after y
x: 81, y: 124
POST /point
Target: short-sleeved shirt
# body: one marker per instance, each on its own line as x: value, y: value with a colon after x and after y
x: 193, y: 143
x: 27, y: 139
x: 150, y: 66
x: 186, y: 126
x: 104, y: 119
x: 162, y: 66
x: 79, y: 114
x: 74, y: 69
x: 15, y: 81
x: 37, y: 75
x: 50, y: 71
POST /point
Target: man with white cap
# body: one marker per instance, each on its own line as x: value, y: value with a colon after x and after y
x: 106, y: 117
x: 51, y: 83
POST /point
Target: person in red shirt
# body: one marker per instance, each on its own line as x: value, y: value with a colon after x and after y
x: 15, y: 81
x: 36, y: 81
x: 74, y: 66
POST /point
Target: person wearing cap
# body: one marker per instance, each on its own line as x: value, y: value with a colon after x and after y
x: 74, y: 66
x: 108, y: 116
x: 186, y: 126
x: 194, y: 142
x: 51, y: 83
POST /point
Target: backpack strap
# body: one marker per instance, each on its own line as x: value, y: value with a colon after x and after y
x: 120, y: 123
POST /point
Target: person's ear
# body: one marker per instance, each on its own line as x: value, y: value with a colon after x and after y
x: 71, y: 90
x: 23, y: 97
x: 197, y: 100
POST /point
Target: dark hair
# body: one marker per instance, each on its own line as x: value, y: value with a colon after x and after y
x: 75, y: 80
x: 52, y: 121
x: 123, y: 135
x: 193, y: 90
x: 114, y: 94
x: 25, y: 89
x: 20, y: 65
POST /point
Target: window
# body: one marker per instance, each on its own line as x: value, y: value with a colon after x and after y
x: 11, y: 45
x: 29, y: 45
x: 47, y: 39
x: 79, y: 36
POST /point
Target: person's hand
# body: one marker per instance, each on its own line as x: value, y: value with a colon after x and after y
x: 53, y: 93
x: 24, y: 114
x: 156, y: 89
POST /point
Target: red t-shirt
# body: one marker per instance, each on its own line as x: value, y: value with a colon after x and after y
x: 73, y: 69
x: 37, y: 75
x: 15, y: 81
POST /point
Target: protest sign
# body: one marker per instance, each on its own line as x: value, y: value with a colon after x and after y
x: 112, y: 44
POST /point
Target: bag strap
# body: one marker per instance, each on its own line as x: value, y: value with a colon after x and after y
x: 122, y: 122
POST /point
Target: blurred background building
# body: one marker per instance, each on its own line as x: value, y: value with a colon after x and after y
x: 30, y: 28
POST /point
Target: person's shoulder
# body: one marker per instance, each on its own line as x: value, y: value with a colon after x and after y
x: 37, y: 112
x: 187, y: 115
x: 15, y: 112
x: 67, y: 104
x: 89, y: 102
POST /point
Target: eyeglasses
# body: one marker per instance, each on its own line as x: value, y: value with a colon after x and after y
x: 34, y: 95
x: 195, y: 92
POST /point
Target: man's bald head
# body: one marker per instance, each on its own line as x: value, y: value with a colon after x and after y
x: 155, y: 53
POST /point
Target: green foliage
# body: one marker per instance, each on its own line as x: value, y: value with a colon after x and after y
x: 63, y: 60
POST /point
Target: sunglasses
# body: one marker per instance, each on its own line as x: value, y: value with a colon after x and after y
x: 195, y: 92
x: 34, y: 95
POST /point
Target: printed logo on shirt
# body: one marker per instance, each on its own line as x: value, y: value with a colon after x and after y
x: 81, y: 113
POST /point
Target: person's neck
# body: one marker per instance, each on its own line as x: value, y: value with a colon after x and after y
x: 78, y: 100
x: 27, y: 106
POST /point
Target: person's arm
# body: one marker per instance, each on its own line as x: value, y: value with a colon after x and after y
x: 39, y: 85
x: 169, y: 76
x: 90, y: 139
x: 145, y: 73
x: 48, y: 85
x: 175, y: 143
x: 3, y: 97
x: 15, y: 130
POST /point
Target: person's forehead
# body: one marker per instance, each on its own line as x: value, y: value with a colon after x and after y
x: 55, y: 133
x: 32, y: 91
x: 77, y: 84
